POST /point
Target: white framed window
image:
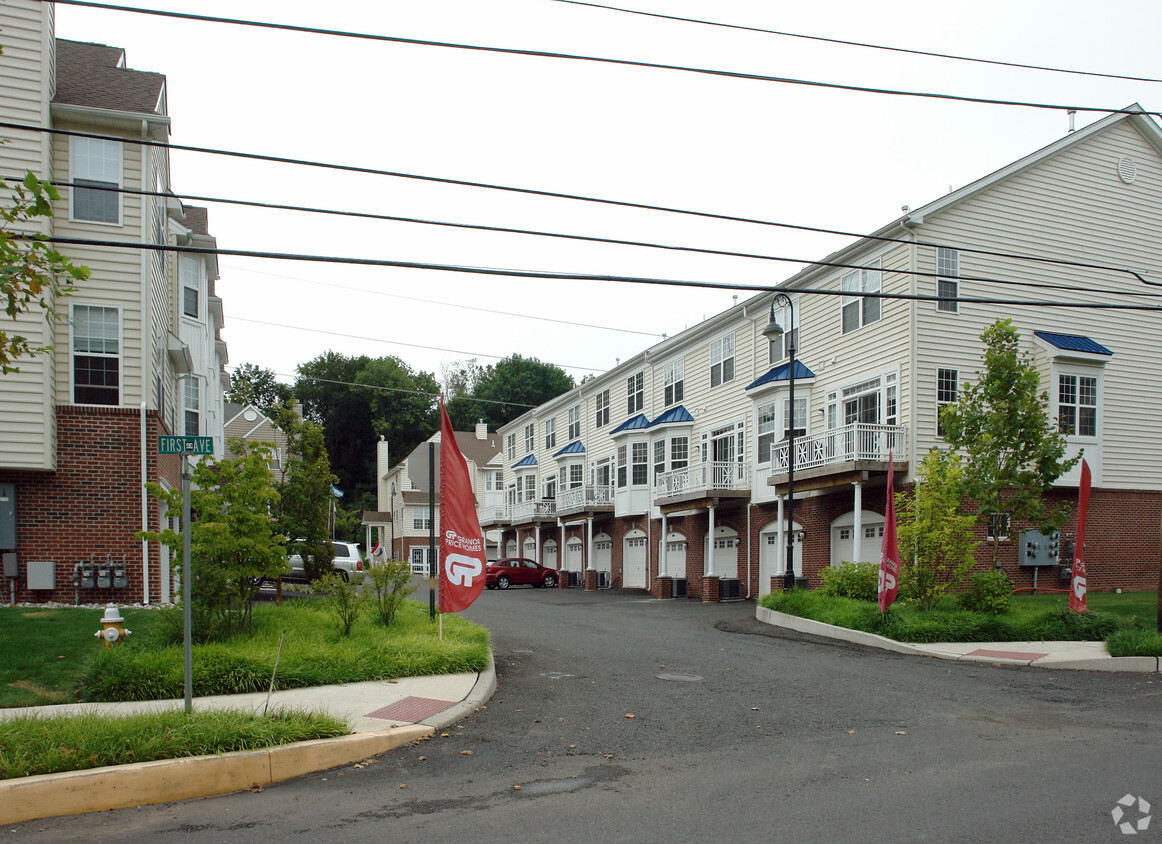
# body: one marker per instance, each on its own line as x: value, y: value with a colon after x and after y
x: 96, y: 355
x: 947, y: 282
x: 510, y: 445
x: 679, y: 452
x: 722, y: 360
x: 766, y: 432
x: 622, y: 467
x: 861, y: 402
x: 575, y: 422
x: 551, y: 433
x: 659, y: 457
x: 635, y: 393
x: 193, y: 407
x: 550, y: 487
x: 891, y: 404
x: 422, y: 518
x: 576, y: 475
x: 800, y: 418
x: 640, y: 458
x: 946, y: 387
x: 530, y: 437
x: 1077, y: 405
x: 530, y: 487
x: 861, y: 310
x: 673, y: 380
x: 603, y: 472
x: 95, y: 165
x: 601, y: 405
x: 190, y: 271
x: 779, y: 346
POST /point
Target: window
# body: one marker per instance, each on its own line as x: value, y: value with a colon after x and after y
x: 722, y: 360
x: 947, y: 284
x: 679, y: 452
x: 622, y: 469
x: 800, y: 421
x: 576, y: 476
x: 860, y: 310
x: 510, y: 446
x: 635, y: 393
x: 96, y: 355
x: 191, y: 286
x: 575, y: 422
x: 422, y: 518
x: 766, y: 432
x: 640, y: 453
x: 551, y: 433
x: 673, y: 383
x: 659, y: 457
x: 193, y: 404
x: 891, y: 406
x: 551, y: 487
x: 998, y: 526
x: 779, y: 348
x: 945, y: 395
x: 861, y: 403
x: 602, y: 404
x: 96, y: 171
x: 603, y: 472
x: 530, y: 437
x: 1077, y: 405
x: 530, y: 487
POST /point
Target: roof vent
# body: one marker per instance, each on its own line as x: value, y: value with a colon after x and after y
x: 1127, y: 170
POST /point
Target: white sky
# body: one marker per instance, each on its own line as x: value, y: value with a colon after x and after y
x: 772, y: 151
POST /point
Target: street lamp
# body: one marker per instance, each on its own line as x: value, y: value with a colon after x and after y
x: 393, y: 521
x: 772, y: 331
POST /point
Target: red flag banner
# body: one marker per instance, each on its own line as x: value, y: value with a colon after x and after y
x: 1077, y: 585
x: 889, y: 579
x: 462, y: 557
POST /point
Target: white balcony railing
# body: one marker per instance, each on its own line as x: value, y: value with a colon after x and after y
x: 581, y: 497
x: 857, y: 441
x: 523, y: 511
x: 728, y: 475
x: 492, y: 513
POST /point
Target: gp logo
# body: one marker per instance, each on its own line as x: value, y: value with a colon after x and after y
x: 461, y: 569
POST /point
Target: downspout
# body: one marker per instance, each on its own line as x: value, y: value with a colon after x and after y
x: 748, y: 551
x: 145, y: 340
x: 913, y: 377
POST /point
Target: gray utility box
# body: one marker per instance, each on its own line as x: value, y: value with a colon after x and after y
x: 1038, y: 549
x: 9, y: 560
x: 41, y: 574
x: 7, y: 517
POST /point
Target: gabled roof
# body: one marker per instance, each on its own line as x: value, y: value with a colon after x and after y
x: 527, y: 460
x: 574, y: 447
x: 674, y: 414
x: 479, y: 451
x: 1073, y: 343
x: 95, y: 76
x: 634, y: 423
x: 780, y: 373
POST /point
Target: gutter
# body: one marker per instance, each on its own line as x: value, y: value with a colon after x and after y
x: 146, y: 154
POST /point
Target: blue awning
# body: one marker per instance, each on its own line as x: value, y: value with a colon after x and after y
x: 634, y: 423
x: 674, y: 414
x: 1073, y: 343
x: 780, y: 372
x: 574, y: 447
x: 528, y: 460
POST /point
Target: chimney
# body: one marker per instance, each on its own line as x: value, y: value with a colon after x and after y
x: 481, y: 430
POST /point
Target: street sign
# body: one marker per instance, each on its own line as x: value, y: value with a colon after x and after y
x: 185, y: 445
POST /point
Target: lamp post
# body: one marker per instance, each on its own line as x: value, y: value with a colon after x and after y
x: 393, y: 521
x: 772, y: 331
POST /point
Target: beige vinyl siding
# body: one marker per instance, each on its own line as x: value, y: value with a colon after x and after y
x: 1072, y: 206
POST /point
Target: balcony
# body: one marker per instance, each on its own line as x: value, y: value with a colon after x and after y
x: 533, y: 511
x: 840, y: 455
x: 492, y: 515
x: 585, y: 499
x: 725, y: 479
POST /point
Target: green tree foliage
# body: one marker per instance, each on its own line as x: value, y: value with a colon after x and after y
x: 32, y: 273
x: 251, y: 384
x: 1013, y: 453
x: 935, y: 538
x: 305, y: 494
x: 506, y: 389
x: 234, y: 543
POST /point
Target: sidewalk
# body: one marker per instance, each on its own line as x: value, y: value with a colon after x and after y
x: 1081, y: 656
x: 383, y: 715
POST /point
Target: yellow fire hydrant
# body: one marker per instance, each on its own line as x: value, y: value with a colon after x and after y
x: 111, y: 630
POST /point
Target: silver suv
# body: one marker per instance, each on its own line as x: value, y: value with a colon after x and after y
x: 348, y: 562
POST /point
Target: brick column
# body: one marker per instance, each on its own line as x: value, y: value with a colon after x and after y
x: 663, y: 588
x: 710, y: 590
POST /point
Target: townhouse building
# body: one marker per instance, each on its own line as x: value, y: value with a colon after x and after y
x: 404, y: 493
x: 139, y: 354
x: 670, y: 472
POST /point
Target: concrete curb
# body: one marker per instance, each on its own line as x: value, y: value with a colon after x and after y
x: 482, y: 691
x: 1143, y: 664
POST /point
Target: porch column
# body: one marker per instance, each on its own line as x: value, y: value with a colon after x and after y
x: 710, y: 545
x: 782, y: 556
x: 589, y: 545
x: 663, y: 559
x: 857, y: 538
x: 561, y: 547
x: 537, y: 555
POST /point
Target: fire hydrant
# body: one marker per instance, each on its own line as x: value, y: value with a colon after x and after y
x: 111, y: 630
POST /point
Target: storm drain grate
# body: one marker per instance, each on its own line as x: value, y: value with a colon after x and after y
x: 1006, y: 654
x: 411, y: 709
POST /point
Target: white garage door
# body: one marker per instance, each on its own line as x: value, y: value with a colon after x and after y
x: 574, y: 555
x: 602, y: 552
x: 634, y: 562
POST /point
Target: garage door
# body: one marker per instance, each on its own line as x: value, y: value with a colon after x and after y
x: 602, y: 552
x: 574, y: 555
x: 634, y: 562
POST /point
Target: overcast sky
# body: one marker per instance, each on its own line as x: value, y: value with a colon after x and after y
x: 779, y: 152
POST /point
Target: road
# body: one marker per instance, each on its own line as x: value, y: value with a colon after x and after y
x: 621, y: 718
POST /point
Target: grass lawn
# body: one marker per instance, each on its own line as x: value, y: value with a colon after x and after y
x: 1138, y: 606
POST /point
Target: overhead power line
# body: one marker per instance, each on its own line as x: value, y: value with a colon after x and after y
x: 544, y: 54
x: 563, y: 276
x: 865, y: 44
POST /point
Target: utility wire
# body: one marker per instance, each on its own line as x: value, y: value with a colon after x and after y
x: 562, y: 276
x: 755, y: 77
x: 865, y: 44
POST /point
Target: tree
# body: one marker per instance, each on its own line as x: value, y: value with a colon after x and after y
x: 234, y: 544
x: 935, y: 538
x: 305, y: 495
x: 32, y: 273
x: 506, y: 389
x: 251, y: 384
x: 1013, y: 453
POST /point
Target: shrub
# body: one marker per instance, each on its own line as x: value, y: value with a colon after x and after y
x: 391, y: 583
x: 852, y: 580
x: 987, y: 592
x: 343, y: 599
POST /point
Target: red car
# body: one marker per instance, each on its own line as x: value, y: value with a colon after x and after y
x: 511, y: 572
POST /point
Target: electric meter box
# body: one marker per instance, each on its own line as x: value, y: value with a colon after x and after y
x: 7, y: 517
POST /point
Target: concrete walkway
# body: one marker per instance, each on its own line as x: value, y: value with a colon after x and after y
x: 383, y: 715
x: 1083, y: 656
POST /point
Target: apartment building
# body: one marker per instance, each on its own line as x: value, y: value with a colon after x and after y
x: 669, y: 473
x: 140, y: 354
